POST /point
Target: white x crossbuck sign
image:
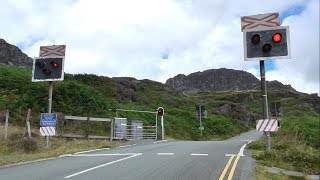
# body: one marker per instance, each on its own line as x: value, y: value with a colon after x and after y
x: 260, y: 21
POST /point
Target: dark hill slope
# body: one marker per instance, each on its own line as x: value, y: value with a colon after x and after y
x: 215, y: 80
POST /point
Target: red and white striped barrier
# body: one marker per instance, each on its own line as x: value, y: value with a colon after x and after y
x: 47, y: 131
x: 267, y: 125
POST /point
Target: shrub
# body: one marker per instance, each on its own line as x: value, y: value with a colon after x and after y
x: 27, y: 144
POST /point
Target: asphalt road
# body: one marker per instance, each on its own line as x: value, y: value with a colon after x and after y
x: 161, y: 160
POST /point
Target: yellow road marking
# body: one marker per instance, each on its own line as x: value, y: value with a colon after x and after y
x: 226, y: 168
x: 234, y: 167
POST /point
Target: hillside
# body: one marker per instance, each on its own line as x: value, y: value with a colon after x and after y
x: 217, y: 80
x: 229, y: 113
x: 12, y: 55
x: 84, y: 94
x: 295, y: 146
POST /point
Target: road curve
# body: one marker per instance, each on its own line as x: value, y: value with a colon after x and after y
x: 164, y: 160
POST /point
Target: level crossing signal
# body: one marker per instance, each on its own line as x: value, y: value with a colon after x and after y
x: 273, y: 42
x: 160, y: 111
x: 48, y: 69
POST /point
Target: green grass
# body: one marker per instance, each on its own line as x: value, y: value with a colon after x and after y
x: 296, y: 145
x: 261, y: 174
x: 15, y: 150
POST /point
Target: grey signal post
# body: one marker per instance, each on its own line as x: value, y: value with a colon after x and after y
x: 45, y: 71
x: 264, y: 99
x: 260, y: 44
x: 200, y: 119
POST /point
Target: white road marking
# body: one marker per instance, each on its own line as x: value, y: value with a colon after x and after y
x: 97, y: 155
x: 242, y: 149
x: 159, y: 141
x: 91, y: 150
x: 165, y: 154
x: 102, y: 165
x: 194, y: 154
x: 126, y: 146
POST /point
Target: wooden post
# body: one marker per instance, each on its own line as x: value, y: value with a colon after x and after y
x: 6, y: 125
x: 28, y: 123
x: 111, y: 134
x: 88, y: 127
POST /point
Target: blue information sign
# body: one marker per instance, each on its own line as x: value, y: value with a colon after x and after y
x: 48, y: 119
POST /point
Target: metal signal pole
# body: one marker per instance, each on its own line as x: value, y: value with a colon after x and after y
x: 264, y: 99
x: 50, y: 89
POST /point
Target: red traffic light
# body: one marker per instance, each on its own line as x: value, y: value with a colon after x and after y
x: 54, y: 64
x: 277, y: 37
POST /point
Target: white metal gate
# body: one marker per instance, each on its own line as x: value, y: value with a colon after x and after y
x: 135, y: 131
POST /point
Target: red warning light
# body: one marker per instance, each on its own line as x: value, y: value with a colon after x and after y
x: 277, y: 38
x: 54, y: 64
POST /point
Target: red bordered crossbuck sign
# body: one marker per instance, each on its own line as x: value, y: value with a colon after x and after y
x: 260, y: 21
x: 52, y: 51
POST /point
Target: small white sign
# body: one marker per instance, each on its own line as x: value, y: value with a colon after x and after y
x: 47, y: 131
x: 267, y: 125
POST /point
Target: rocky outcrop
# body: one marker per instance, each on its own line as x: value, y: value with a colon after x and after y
x: 222, y: 79
x: 12, y: 55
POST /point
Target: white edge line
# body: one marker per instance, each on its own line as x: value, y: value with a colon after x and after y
x: 91, y: 150
x: 194, y: 154
x: 170, y: 154
x: 126, y: 146
x: 159, y: 141
x: 97, y: 155
x: 90, y: 169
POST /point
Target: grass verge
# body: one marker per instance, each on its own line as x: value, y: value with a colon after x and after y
x: 17, y: 149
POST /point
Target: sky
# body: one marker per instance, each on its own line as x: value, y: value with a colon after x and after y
x: 159, y: 39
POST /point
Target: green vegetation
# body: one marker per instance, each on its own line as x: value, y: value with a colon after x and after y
x: 18, y: 149
x: 91, y: 95
x: 296, y: 145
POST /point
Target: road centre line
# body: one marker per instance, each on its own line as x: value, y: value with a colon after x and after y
x: 233, y: 167
x: 194, y: 154
x: 226, y: 168
x: 102, y: 165
x: 166, y: 154
x: 233, y: 155
x: 240, y: 153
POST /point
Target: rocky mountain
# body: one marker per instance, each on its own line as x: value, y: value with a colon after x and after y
x: 12, y: 55
x: 222, y: 79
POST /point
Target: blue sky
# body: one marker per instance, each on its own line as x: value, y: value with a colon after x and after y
x: 291, y: 11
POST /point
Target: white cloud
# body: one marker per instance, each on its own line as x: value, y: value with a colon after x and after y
x: 129, y: 38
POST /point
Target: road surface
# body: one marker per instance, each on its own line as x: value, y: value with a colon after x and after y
x: 176, y: 160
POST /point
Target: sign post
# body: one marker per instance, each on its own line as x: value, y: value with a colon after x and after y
x: 264, y: 38
x: 49, y: 67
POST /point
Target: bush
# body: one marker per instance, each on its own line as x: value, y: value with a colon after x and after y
x: 27, y: 144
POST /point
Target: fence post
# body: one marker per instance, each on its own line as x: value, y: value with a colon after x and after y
x: 112, y: 126
x: 88, y: 127
x: 28, y: 123
x: 6, y: 125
